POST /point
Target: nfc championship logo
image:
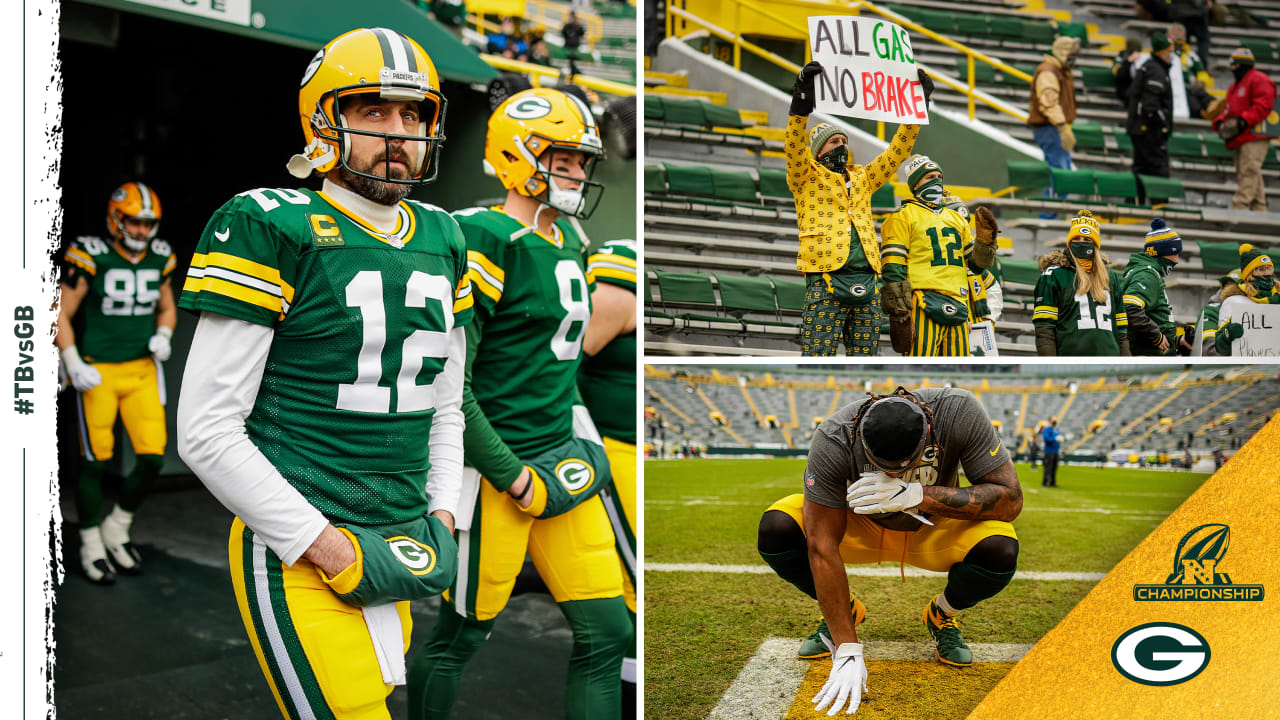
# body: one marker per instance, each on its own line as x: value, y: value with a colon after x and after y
x: 1196, y: 574
x: 1160, y: 653
x: 575, y: 475
x: 419, y: 558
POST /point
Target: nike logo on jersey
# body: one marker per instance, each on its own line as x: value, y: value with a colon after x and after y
x: 993, y: 452
x: 222, y: 236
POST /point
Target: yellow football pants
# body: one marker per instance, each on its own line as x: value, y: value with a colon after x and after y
x: 936, y: 340
x: 935, y: 548
x: 314, y: 649
x: 620, y: 503
x: 574, y: 553
x: 135, y: 389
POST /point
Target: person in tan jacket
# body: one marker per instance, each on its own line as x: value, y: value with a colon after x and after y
x: 839, y: 253
x: 1053, y: 106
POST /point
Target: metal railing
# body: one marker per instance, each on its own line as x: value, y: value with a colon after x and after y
x: 969, y: 90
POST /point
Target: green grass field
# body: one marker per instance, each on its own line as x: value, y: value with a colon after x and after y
x: 701, y: 628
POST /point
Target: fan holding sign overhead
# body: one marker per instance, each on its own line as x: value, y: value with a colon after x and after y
x: 865, y: 69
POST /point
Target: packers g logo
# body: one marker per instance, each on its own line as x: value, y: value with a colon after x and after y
x: 1160, y: 653
x: 529, y: 108
x: 313, y: 67
x: 575, y: 475
x: 419, y: 558
x: 858, y: 290
x: 949, y: 309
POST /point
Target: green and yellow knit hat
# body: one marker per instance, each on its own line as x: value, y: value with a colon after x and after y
x: 916, y: 167
x: 1085, y: 227
x: 820, y: 134
x: 1251, y: 259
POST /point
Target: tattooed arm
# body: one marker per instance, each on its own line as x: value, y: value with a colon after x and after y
x: 997, y: 496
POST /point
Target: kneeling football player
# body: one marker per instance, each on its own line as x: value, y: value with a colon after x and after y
x: 881, y: 483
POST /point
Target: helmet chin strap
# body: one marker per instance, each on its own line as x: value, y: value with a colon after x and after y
x: 304, y: 163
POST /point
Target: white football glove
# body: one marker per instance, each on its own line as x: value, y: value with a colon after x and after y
x: 158, y: 345
x: 848, y: 680
x: 879, y: 493
x: 83, y: 375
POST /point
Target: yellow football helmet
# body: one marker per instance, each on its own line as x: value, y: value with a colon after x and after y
x: 369, y: 60
x: 523, y: 133
x: 133, y: 200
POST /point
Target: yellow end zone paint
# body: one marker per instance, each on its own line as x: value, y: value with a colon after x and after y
x: 906, y: 689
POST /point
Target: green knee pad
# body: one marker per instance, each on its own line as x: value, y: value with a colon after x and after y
x: 602, y: 633
x: 437, y: 668
x: 138, y: 483
x: 89, y: 493
x: 969, y: 584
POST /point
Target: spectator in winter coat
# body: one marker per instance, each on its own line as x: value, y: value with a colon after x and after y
x: 1151, y: 114
x: 1249, y: 101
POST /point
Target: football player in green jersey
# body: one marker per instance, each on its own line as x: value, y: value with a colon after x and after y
x: 1146, y: 304
x: 115, y: 366
x: 538, y: 461
x: 322, y: 397
x: 607, y: 382
x: 1078, y: 309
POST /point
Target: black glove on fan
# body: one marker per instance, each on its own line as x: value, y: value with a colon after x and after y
x: 926, y: 84
x: 802, y: 91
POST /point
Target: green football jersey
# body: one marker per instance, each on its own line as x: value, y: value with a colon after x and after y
x: 607, y: 380
x: 1082, y: 325
x: 1144, y: 287
x: 533, y: 301
x: 361, y: 323
x: 120, y: 308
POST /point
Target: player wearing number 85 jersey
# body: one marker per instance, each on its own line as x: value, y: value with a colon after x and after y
x: 538, y: 461
x: 1078, y: 309
x: 122, y: 283
x: 321, y: 401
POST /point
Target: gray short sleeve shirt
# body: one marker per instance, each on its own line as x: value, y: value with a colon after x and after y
x: 962, y: 437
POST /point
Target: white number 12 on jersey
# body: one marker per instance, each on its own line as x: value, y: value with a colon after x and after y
x: 1087, y: 321
x: 366, y: 394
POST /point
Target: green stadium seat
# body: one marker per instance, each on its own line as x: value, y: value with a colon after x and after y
x: 1271, y: 161
x: 733, y: 185
x: 1026, y: 272
x: 883, y: 197
x: 1162, y: 187
x: 655, y: 179
x: 1005, y: 26
x: 1089, y: 135
x: 688, y: 288
x: 1073, y: 182
x: 1038, y: 31
x: 1074, y: 29
x: 983, y: 73
x: 1116, y: 184
x: 748, y: 294
x: 940, y: 21
x: 1185, y: 144
x: 1223, y: 256
x: 648, y: 299
x: 773, y: 183
x: 972, y: 24
x: 684, y: 112
x: 654, y: 108
x: 1028, y: 174
x: 1123, y: 142
x: 790, y: 294
x: 1097, y: 78
x: 689, y: 179
x: 1263, y: 50
x: 722, y: 115
x: 1216, y: 148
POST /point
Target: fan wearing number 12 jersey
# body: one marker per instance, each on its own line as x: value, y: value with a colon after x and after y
x: 322, y: 397
x: 1078, y: 309
x: 535, y: 461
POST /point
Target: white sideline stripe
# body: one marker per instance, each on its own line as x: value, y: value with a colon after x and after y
x: 1137, y: 514
x: 862, y: 571
x: 768, y: 683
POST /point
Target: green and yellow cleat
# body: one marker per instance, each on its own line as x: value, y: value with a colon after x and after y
x: 814, y: 648
x: 946, y: 633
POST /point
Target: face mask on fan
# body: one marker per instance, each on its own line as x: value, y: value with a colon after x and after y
x: 836, y: 159
x: 930, y: 193
x: 1083, y: 252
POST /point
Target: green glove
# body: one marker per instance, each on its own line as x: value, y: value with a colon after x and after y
x: 1234, y: 330
x: 567, y: 476
x: 405, y: 561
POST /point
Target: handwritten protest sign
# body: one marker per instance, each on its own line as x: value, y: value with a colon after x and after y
x: 869, y: 70
x: 1261, y: 332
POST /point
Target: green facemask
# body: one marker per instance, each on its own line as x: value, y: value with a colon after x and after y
x: 930, y: 193
x: 1166, y: 265
x: 1264, y: 283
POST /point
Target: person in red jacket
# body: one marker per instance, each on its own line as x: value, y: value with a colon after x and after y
x: 1249, y: 101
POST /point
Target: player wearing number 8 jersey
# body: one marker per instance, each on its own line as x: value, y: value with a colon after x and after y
x: 122, y: 283
x: 538, y: 462
x: 321, y: 401
x: 1078, y: 309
